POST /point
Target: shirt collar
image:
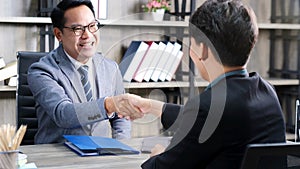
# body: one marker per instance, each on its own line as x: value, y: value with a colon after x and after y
x: 78, y: 64
x: 227, y: 74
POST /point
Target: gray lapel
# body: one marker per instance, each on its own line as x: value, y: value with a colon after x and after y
x: 70, y: 72
x: 97, y: 59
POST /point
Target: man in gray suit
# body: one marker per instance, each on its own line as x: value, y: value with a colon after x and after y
x: 70, y: 102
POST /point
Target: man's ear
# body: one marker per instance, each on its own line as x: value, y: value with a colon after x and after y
x: 57, y: 33
x: 204, y: 54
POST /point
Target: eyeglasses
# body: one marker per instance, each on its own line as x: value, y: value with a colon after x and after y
x: 79, y: 30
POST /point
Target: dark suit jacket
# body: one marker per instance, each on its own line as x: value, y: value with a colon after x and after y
x: 213, y: 129
x: 62, y: 107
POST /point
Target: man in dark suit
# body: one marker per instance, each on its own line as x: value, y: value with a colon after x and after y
x: 238, y: 108
x: 74, y: 86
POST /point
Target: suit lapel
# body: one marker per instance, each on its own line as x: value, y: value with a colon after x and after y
x: 96, y: 62
x: 70, y: 72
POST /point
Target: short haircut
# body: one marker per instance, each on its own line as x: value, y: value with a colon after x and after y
x: 57, y: 14
x: 231, y: 28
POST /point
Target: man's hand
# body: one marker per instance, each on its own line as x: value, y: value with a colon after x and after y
x: 132, y: 106
x: 157, y: 149
x: 148, y: 105
x: 122, y: 104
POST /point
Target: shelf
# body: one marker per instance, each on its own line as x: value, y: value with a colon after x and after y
x: 47, y: 20
x: 26, y: 20
x: 279, y: 26
x: 282, y: 82
x: 7, y: 88
x: 200, y: 83
x: 136, y: 85
x: 138, y: 23
x: 181, y: 84
x: 146, y: 23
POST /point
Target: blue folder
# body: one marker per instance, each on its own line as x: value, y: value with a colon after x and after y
x: 95, y: 145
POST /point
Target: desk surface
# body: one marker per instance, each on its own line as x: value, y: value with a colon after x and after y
x: 50, y: 156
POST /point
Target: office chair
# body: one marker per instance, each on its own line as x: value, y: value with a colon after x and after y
x: 26, y: 113
x: 272, y: 156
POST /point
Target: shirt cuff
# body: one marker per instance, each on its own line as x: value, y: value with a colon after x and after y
x: 102, y: 108
x: 112, y: 115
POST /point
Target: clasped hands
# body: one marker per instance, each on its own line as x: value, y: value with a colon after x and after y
x: 132, y: 106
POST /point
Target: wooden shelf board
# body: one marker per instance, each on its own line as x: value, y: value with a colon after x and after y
x: 181, y: 84
x: 139, y: 23
x: 5, y: 88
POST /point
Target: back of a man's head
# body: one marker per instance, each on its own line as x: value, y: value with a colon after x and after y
x: 231, y: 28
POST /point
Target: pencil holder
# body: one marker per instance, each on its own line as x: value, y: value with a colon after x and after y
x: 8, y: 159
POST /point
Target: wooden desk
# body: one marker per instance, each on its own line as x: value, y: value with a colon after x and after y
x: 50, y: 156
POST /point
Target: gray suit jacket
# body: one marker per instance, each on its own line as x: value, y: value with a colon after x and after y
x: 62, y: 107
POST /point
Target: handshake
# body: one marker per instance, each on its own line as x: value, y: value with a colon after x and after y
x: 132, y: 106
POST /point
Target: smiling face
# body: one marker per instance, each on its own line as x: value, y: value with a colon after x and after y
x: 81, y: 47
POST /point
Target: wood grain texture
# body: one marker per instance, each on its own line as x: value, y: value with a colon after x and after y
x: 50, y: 156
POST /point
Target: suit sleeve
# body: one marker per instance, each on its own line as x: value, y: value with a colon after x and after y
x: 185, y: 151
x: 52, y: 91
x: 169, y: 115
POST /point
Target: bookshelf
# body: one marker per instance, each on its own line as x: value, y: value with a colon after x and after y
x: 284, y: 52
x: 148, y: 23
x: 8, y: 103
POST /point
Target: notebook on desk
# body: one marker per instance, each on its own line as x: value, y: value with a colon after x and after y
x: 95, y: 145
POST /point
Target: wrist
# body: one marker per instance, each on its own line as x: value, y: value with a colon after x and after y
x: 157, y: 107
x: 109, y: 106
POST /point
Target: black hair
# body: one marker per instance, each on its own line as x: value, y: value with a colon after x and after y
x: 57, y: 14
x: 230, y: 27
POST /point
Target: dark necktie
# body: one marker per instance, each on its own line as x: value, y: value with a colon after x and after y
x: 83, y: 70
